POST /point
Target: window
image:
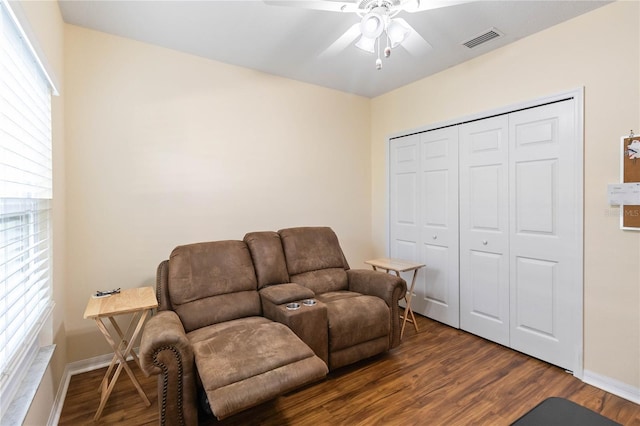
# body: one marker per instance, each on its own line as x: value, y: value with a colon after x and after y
x: 25, y: 200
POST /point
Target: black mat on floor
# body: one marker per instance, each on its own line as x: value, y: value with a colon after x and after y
x: 562, y: 412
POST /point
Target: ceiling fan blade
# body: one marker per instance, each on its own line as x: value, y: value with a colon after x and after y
x: 422, y: 5
x: 342, y: 42
x: 328, y: 5
x: 415, y: 44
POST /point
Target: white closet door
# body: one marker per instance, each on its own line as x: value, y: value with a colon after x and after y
x: 437, y: 288
x: 404, y: 198
x: 484, y: 228
x: 545, y: 245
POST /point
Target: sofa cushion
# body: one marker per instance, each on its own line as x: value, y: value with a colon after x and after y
x: 212, y: 282
x: 323, y: 280
x: 332, y: 296
x: 247, y: 361
x: 213, y: 310
x: 268, y: 257
x: 311, y: 249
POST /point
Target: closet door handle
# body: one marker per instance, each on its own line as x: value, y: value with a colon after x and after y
x: 435, y: 237
x: 485, y: 242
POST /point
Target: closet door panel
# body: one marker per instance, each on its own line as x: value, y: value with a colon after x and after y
x: 485, y: 183
x: 404, y: 158
x: 437, y: 289
x: 536, y: 197
x: 536, y: 281
x: 484, y: 230
x: 545, y: 254
x: 485, y: 268
x: 437, y: 293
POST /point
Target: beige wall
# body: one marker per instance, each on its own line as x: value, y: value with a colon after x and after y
x: 165, y: 148
x: 600, y: 51
x: 45, y: 24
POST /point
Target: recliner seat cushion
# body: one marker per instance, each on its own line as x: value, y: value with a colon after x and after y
x: 247, y: 361
x: 332, y: 296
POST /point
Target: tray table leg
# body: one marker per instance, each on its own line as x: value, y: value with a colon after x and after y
x: 120, y: 358
x: 407, y: 310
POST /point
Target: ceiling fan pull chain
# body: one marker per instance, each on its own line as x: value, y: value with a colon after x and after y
x: 387, y: 50
x: 378, y: 61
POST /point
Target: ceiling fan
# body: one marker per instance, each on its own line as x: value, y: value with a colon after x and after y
x: 378, y: 25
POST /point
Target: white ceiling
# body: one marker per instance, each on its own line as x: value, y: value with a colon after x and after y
x: 288, y: 41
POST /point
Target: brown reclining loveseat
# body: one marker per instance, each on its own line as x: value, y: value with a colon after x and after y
x: 246, y: 321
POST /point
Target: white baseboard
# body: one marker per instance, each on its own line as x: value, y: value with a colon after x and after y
x: 73, y: 368
x: 613, y: 386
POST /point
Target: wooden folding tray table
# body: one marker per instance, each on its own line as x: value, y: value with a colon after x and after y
x: 136, y: 301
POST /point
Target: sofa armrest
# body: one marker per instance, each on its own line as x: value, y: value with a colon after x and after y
x: 389, y: 288
x: 285, y: 293
x: 165, y: 351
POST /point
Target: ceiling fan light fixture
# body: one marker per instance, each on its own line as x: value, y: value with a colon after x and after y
x: 397, y: 32
x: 372, y: 25
x: 366, y: 44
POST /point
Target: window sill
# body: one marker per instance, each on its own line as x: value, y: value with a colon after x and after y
x: 19, y: 407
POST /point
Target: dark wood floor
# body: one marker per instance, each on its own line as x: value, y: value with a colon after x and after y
x: 438, y: 376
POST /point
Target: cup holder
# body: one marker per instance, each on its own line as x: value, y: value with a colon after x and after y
x: 309, y: 302
x: 293, y: 306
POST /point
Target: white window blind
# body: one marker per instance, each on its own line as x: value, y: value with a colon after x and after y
x: 25, y: 198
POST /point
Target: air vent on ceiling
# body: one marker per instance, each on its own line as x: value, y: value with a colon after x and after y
x: 490, y: 34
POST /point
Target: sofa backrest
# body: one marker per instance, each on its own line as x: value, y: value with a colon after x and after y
x: 268, y: 258
x: 314, y: 258
x: 212, y: 282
